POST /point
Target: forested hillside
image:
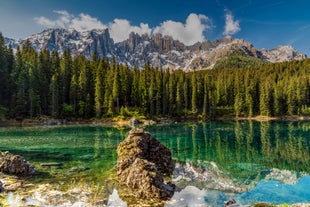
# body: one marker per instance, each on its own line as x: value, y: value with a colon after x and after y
x: 34, y: 84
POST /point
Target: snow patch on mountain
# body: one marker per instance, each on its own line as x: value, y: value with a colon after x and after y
x: 158, y: 50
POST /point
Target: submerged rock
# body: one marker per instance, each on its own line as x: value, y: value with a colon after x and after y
x: 142, y: 164
x: 50, y: 164
x: 1, y: 187
x: 15, y: 164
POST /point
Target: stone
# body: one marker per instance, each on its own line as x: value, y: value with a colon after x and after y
x: 15, y: 165
x: 140, y: 144
x: 230, y: 202
x: 50, y: 164
x: 1, y: 187
x: 143, y: 163
x: 133, y: 122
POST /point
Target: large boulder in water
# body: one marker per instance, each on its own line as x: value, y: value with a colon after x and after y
x: 15, y: 164
x: 142, y: 164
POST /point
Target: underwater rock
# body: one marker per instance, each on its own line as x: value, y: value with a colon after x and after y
x: 50, y: 164
x: 142, y: 164
x: 15, y: 164
x: 1, y: 187
x: 230, y: 202
x: 79, y: 169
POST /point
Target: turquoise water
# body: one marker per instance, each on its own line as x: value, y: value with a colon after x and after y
x: 252, y: 161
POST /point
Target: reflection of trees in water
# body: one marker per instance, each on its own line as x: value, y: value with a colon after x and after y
x: 260, y: 145
x: 194, y: 142
x: 292, y: 147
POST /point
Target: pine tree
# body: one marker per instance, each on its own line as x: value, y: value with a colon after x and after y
x: 291, y: 98
x: 54, y: 96
x: 11, y: 81
x: 266, y: 99
x: 194, y: 93
x: 99, y: 88
x: 159, y: 90
x: 171, y: 94
x: 179, y: 95
x: 55, y: 88
x: 86, y: 87
x: 44, y: 79
x: 116, y: 89
x: 66, y: 75
x: 135, y: 94
x: 34, y: 87
x: 206, y: 99
x: 74, y: 94
x: 239, y: 100
x: 3, y: 72
x: 186, y: 95
x: 21, y: 95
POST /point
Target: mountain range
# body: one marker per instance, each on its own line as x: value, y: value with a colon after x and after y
x: 158, y: 50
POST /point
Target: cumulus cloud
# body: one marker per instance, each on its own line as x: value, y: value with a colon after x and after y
x: 83, y: 22
x: 231, y: 26
x: 188, y: 33
x: 121, y: 28
x: 61, y: 22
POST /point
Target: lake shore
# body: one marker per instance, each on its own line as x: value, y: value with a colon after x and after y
x: 126, y: 121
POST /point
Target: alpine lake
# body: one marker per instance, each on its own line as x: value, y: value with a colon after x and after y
x: 215, y: 161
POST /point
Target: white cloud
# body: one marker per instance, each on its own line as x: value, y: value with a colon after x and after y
x: 83, y: 22
x: 121, y: 28
x: 231, y: 26
x: 188, y: 33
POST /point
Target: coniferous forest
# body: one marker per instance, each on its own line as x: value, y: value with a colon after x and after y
x: 49, y: 84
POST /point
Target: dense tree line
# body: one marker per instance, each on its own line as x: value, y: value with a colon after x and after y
x: 34, y: 84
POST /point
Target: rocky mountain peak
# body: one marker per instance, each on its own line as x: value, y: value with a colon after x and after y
x: 159, y: 50
x: 282, y: 53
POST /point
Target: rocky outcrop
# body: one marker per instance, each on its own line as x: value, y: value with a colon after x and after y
x: 15, y: 164
x: 142, y: 164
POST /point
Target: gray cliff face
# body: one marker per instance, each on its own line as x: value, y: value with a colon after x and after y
x: 158, y: 50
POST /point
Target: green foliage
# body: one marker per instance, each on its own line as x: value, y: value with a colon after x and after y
x: 240, y: 60
x: 67, y: 110
x: 284, y: 205
x: 305, y: 110
x: 45, y: 84
x: 3, y: 112
x: 125, y: 112
x: 263, y: 205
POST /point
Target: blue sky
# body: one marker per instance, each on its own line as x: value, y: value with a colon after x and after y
x: 265, y: 23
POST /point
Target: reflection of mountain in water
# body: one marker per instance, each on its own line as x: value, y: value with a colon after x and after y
x: 208, y: 176
x: 207, y: 185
